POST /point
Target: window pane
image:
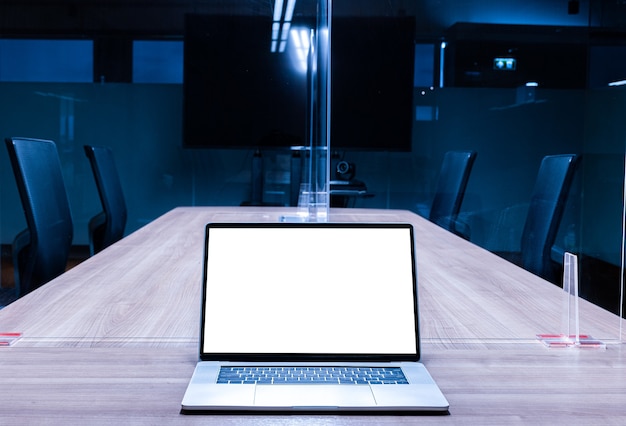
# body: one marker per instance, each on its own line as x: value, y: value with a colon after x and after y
x: 158, y: 62
x: 60, y: 61
x: 607, y: 66
x: 424, y: 65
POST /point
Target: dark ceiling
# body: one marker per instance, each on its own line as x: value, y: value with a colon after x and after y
x: 153, y: 17
x: 165, y: 18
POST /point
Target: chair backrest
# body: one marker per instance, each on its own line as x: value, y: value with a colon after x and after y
x: 39, y: 179
x: 111, y: 229
x: 545, y: 211
x: 455, y: 171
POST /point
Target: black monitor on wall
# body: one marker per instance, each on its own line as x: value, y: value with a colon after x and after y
x: 238, y: 93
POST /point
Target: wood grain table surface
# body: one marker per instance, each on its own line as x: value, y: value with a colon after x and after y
x: 115, y: 339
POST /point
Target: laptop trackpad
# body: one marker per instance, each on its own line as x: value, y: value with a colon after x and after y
x: 313, y: 396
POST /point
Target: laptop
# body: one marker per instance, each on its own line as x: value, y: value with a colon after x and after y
x: 310, y: 316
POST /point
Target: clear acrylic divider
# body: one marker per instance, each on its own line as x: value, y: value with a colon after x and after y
x: 569, y: 336
x: 314, y: 200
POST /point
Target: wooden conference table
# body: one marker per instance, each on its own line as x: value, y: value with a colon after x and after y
x: 114, y: 340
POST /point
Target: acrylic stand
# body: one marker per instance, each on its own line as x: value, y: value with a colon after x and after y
x: 570, y: 335
x: 314, y: 197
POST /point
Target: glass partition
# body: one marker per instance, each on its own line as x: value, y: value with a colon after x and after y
x: 314, y: 197
x: 512, y: 128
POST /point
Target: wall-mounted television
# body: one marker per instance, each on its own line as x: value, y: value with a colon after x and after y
x: 238, y: 93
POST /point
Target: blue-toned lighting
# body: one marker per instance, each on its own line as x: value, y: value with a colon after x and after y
x: 278, y: 10
x: 281, y: 25
x: 285, y: 32
x: 275, y: 30
x: 300, y: 41
x: 289, y: 12
x: 442, y: 56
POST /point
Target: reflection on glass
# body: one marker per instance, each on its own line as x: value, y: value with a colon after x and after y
x: 319, y: 107
x: 510, y: 134
x: 301, y: 42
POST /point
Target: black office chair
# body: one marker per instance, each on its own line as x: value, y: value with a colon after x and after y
x: 453, y: 177
x: 108, y: 226
x: 40, y: 253
x: 545, y: 211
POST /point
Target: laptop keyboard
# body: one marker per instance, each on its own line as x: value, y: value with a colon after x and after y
x: 312, y: 375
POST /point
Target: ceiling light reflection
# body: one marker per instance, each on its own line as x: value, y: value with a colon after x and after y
x: 301, y: 42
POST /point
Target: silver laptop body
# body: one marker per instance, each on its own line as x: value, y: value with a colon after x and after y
x: 290, y: 309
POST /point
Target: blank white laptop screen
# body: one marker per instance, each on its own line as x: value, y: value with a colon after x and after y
x: 310, y: 289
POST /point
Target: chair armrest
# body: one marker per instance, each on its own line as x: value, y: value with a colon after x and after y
x: 556, y: 254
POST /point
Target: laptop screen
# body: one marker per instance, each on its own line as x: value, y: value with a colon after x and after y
x: 309, y: 291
